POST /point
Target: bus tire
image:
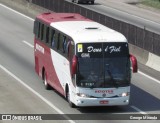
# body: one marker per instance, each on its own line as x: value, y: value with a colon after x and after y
x: 46, y: 85
x: 72, y: 105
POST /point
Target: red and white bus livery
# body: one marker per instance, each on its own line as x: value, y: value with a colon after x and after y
x: 83, y: 60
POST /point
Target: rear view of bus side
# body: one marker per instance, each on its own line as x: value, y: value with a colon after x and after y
x: 83, y: 60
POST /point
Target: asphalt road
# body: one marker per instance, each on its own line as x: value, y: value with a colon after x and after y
x: 127, y: 13
x: 17, y: 59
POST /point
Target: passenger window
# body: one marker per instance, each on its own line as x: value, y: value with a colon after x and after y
x: 56, y: 40
x: 64, y: 44
x: 60, y: 42
x: 68, y: 43
x: 36, y: 28
x: 47, y: 35
x: 39, y: 30
x: 42, y: 32
x: 53, y: 39
x: 70, y: 49
x: 50, y: 36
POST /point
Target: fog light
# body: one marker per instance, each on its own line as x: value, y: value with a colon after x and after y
x: 126, y: 101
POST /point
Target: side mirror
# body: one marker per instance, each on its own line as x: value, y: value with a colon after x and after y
x: 74, y: 65
x: 134, y: 63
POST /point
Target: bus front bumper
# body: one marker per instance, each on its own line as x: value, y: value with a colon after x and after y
x: 118, y: 101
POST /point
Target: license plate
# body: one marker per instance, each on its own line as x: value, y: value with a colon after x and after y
x: 103, y: 102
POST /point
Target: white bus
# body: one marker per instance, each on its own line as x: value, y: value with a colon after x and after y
x: 83, y: 60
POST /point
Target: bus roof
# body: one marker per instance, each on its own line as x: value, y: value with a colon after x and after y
x: 58, y: 17
x: 81, y: 29
x: 88, y: 31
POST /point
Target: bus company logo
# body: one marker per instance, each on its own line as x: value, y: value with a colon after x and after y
x: 40, y: 48
x: 80, y: 48
x: 104, y: 91
x: 113, y: 49
x: 104, y: 95
x: 94, y: 50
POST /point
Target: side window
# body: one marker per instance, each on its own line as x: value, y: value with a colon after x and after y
x: 70, y: 49
x: 36, y: 28
x: 47, y: 34
x: 42, y: 32
x: 64, y: 44
x: 60, y: 42
x: 52, y: 38
x: 39, y: 30
x: 57, y: 38
x: 68, y: 44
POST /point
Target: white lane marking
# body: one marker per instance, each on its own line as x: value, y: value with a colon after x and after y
x: 20, y: 81
x: 133, y: 15
x: 28, y: 44
x: 16, y: 12
x: 137, y: 109
x: 36, y: 93
x: 156, y: 80
x: 32, y: 45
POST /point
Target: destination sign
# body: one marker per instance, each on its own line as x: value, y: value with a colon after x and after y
x: 99, y: 50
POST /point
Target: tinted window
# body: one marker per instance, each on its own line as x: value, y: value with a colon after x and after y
x: 39, y: 30
x: 52, y: 38
x: 42, y: 32
x: 47, y: 34
x: 56, y: 43
x: 60, y: 42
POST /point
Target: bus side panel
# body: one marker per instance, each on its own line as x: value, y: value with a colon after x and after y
x: 61, y: 66
x: 36, y: 65
x: 37, y: 59
x: 53, y: 79
x: 43, y: 60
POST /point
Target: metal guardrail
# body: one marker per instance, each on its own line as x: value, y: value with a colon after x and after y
x: 142, y: 38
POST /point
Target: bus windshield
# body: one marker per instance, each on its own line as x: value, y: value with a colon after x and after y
x: 102, y: 70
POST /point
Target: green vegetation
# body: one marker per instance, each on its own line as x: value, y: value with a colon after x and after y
x: 152, y: 3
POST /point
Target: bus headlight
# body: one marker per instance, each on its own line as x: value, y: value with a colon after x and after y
x: 83, y: 95
x: 124, y: 94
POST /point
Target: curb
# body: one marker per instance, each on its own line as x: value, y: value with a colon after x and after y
x: 143, y: 56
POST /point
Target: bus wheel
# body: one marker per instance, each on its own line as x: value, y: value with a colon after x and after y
x: 46, y: 85
x: 68, y: 99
